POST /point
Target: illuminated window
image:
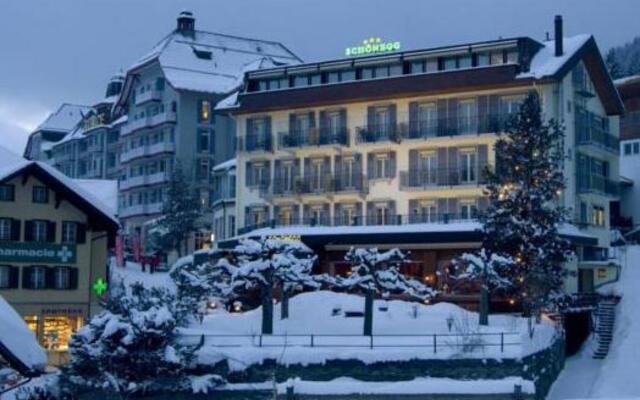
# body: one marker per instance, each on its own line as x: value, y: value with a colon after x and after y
x: 32, y: 323
x: 204, y: 110
x: 57, y: 331
x: 597, y: 215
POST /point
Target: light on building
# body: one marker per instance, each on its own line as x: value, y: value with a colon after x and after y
x: 213, y: 237
x: 512, y: 302
x: 237, y: 306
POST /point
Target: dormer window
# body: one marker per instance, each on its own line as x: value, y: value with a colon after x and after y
x: 202, y: 53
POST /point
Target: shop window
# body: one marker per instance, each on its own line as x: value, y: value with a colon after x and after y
x: 56, y: 331
x: 32, y: 323
x: 40, y: 194
x: 7, y: 193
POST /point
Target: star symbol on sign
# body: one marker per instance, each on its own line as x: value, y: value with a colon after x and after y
x: 100, y: 286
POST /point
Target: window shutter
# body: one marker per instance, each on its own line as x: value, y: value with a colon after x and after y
x: 391, y: 166
x: 370, y: 167
x: 442, y: 209
x: 326, y: 214
x: 292, y: 127
x: 413, y: 120
x: 247, y: 174
x: 326, y: 173
x: 81, y: 233
x: 73, y: 278
x: 371, y: 217
x: 483, y: 154
x: 442, y: 118
x: 267, y: 179
x: 395, y: 133
x: 296, y: 168
x: 413, y: 214
x: 494, y: 110
x: 296, y: 214
x: 277, y: 176
x: 15, y: 230
x: 267, y: 139
x: 483, y: 114
x: 247, y: 217
x: 14, y: 277
x: 51, y: 231
x: 28, y: 231
x: 343, y: 127
x: 249, y: 127
x: 312, y: 119
x: 323, y: 123
x: 453, y: 207
x: 371, y: 118
x: 307, y: 168
x: 50, y: 277
x: 452, y: 116
x: 392, y: 219
x: 276, y: 215
x: 337, y: 173
x: 413, y: 172
x: 26, y: 277
x: 358, y: 214
x: 442, y: 166
x: 305, y: 215
x: 453, y: 165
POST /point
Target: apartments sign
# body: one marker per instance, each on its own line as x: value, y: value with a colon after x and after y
x: 373, y: 45
x: 38, y: 253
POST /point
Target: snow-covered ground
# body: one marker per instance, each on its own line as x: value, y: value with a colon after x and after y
x: 340, y: 337
x: 615, y: 377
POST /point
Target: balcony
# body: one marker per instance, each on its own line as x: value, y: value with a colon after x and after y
x: 144, y: 180
x: 372, y: 220
x: 133, y: 125
x: 376, y: 133
x: 422, y: 179
x: 140, y: 210
x: 258, y: 142
x: 147, y: 151
x: 597, y: 184
x: 321, y: 186
x: 313, y: 137
x: 590, y: 132
x: 149, y: 95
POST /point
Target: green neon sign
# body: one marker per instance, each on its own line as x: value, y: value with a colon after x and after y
x: 100, y: 286
x: 38, y: 253
x: 373, y: 45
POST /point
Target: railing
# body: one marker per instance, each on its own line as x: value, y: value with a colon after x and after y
x: 224, y: 194
x: 147, y: 150
x: 258, y: 142
x: 133, y: 125
x: 391, y: 219
x: 312, y: 137
x: 428, y: 178
x: 374, y: 133
x: 590, y: 132
x: 149, y: 95
x: 588, y: 183
x: 435, y: 342
x: 323, y: 185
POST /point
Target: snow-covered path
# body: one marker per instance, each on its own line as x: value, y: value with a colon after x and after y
x: 617, y: 376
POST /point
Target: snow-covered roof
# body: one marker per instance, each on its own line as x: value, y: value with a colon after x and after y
x: 226, y: 165
x: 65, y: 118
x: 627, y: 80
x: 18, y: 341
x: 213, y: 62
x: 546, y: 63
x: 99, y: 197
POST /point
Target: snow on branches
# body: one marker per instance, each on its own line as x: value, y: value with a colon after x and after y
x: 492, y: 270
x: 380, y: 272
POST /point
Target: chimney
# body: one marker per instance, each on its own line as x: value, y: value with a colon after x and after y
x: 186, y: 24
x: 558, y: 35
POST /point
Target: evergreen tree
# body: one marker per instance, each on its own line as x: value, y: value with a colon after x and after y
x: 180, y: 210
x: 613, y: 65
x: 525, y: 210
x: 131, y: 347
x: 267, y: 264
x: 378, y: 273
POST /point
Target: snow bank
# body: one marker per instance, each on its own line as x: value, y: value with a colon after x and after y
x: 132, y: 273
x: 323, y: 313
x: 18, y: 339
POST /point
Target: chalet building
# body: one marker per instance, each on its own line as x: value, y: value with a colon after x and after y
x: 169, y: 97
x: 387, y: 150
x: 54, y: 239
x: 629, y: 212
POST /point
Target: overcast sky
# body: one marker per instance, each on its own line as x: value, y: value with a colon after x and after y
x: 66, y: 50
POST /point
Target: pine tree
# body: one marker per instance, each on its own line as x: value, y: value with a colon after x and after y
x: 180, y: 210
x: 131, y: 347
x: 525, y: 211
x: 267, y: 264
x: 378, y: 273
x: 613, y: 65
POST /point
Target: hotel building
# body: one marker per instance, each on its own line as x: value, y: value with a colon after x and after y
x: 388, y: 150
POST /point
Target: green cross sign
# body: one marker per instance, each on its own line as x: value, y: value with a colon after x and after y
x: 100, y: 286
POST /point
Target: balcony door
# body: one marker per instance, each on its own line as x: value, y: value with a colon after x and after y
x: 382, y: 214
x: 468, y: 210
x: 348, y: 214
x: 316, y: 175
x: 428, y: 167
x: 334, y: 123
x: 348, y: 170
x: 468, y: 167
x: 287, y: 177
x: 426, y: 212
x: 382, y: 121
x: 467, y: 117
x: 427, y: 119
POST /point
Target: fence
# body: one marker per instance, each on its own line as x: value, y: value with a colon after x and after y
x: 434, y: 342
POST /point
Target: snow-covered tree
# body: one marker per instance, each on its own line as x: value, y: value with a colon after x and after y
x: 267, y: 264
x: 131, y: 347
x: 180, y: 210
x: 613, y: 65
x: 525, y: 210
x: 378, y: 273
x: 490, y: 270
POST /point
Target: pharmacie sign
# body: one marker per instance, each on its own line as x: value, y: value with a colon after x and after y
x: 38, y: 252
x: 372, y: 45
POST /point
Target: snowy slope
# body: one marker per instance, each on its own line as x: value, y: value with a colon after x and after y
x: 18, y: 339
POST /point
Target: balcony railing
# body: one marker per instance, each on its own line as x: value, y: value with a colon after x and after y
x: 323, y: 185
x: 374, y: 133
x: 597, y: 184
x: 142, y: 180
x: 590, y: 132
x: 313, y: 137
x: 428, y: 178
x: 149, y: 95
x: 258, y: 142
x: 370, y: 220
x: 133, y: 125
x: 147, y: 151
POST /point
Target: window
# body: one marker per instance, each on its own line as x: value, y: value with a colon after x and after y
x: 636, y: 148
x: 427, y: 119
x: 258, y: 174
x: 232, y: 226
x: 5, y: 228
x: 468, y: 167
x: 497, y: 57
x: 5, y: 276
x: 428, y: 168
x: 449, y: 63
x: 203, y: 169
x: 62, y: 278
x: 510, y: 104
x: 348, y: 173
x: 300, y: 80
x: 334, y: 123
x: 417, y: 66
x: 287, y: 177
x: 512, y: 56
x: 382, y: 120
x: 348, y: 75
x: 381, y: 162
x: 204, y: 111
x: 597, y: 215
x: 468, y: 117
x: 203, y: 140
x: 37, y: 278
x: 316, y: 175
x: 464, y: 61
x: 40, y: 194
x: 7, y: 193
x: 39, y: 230
x: 468, y: 211
x: 482, y: 59
x: 381, y: 214
x: 426, y: 211
x: 69, y: 232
